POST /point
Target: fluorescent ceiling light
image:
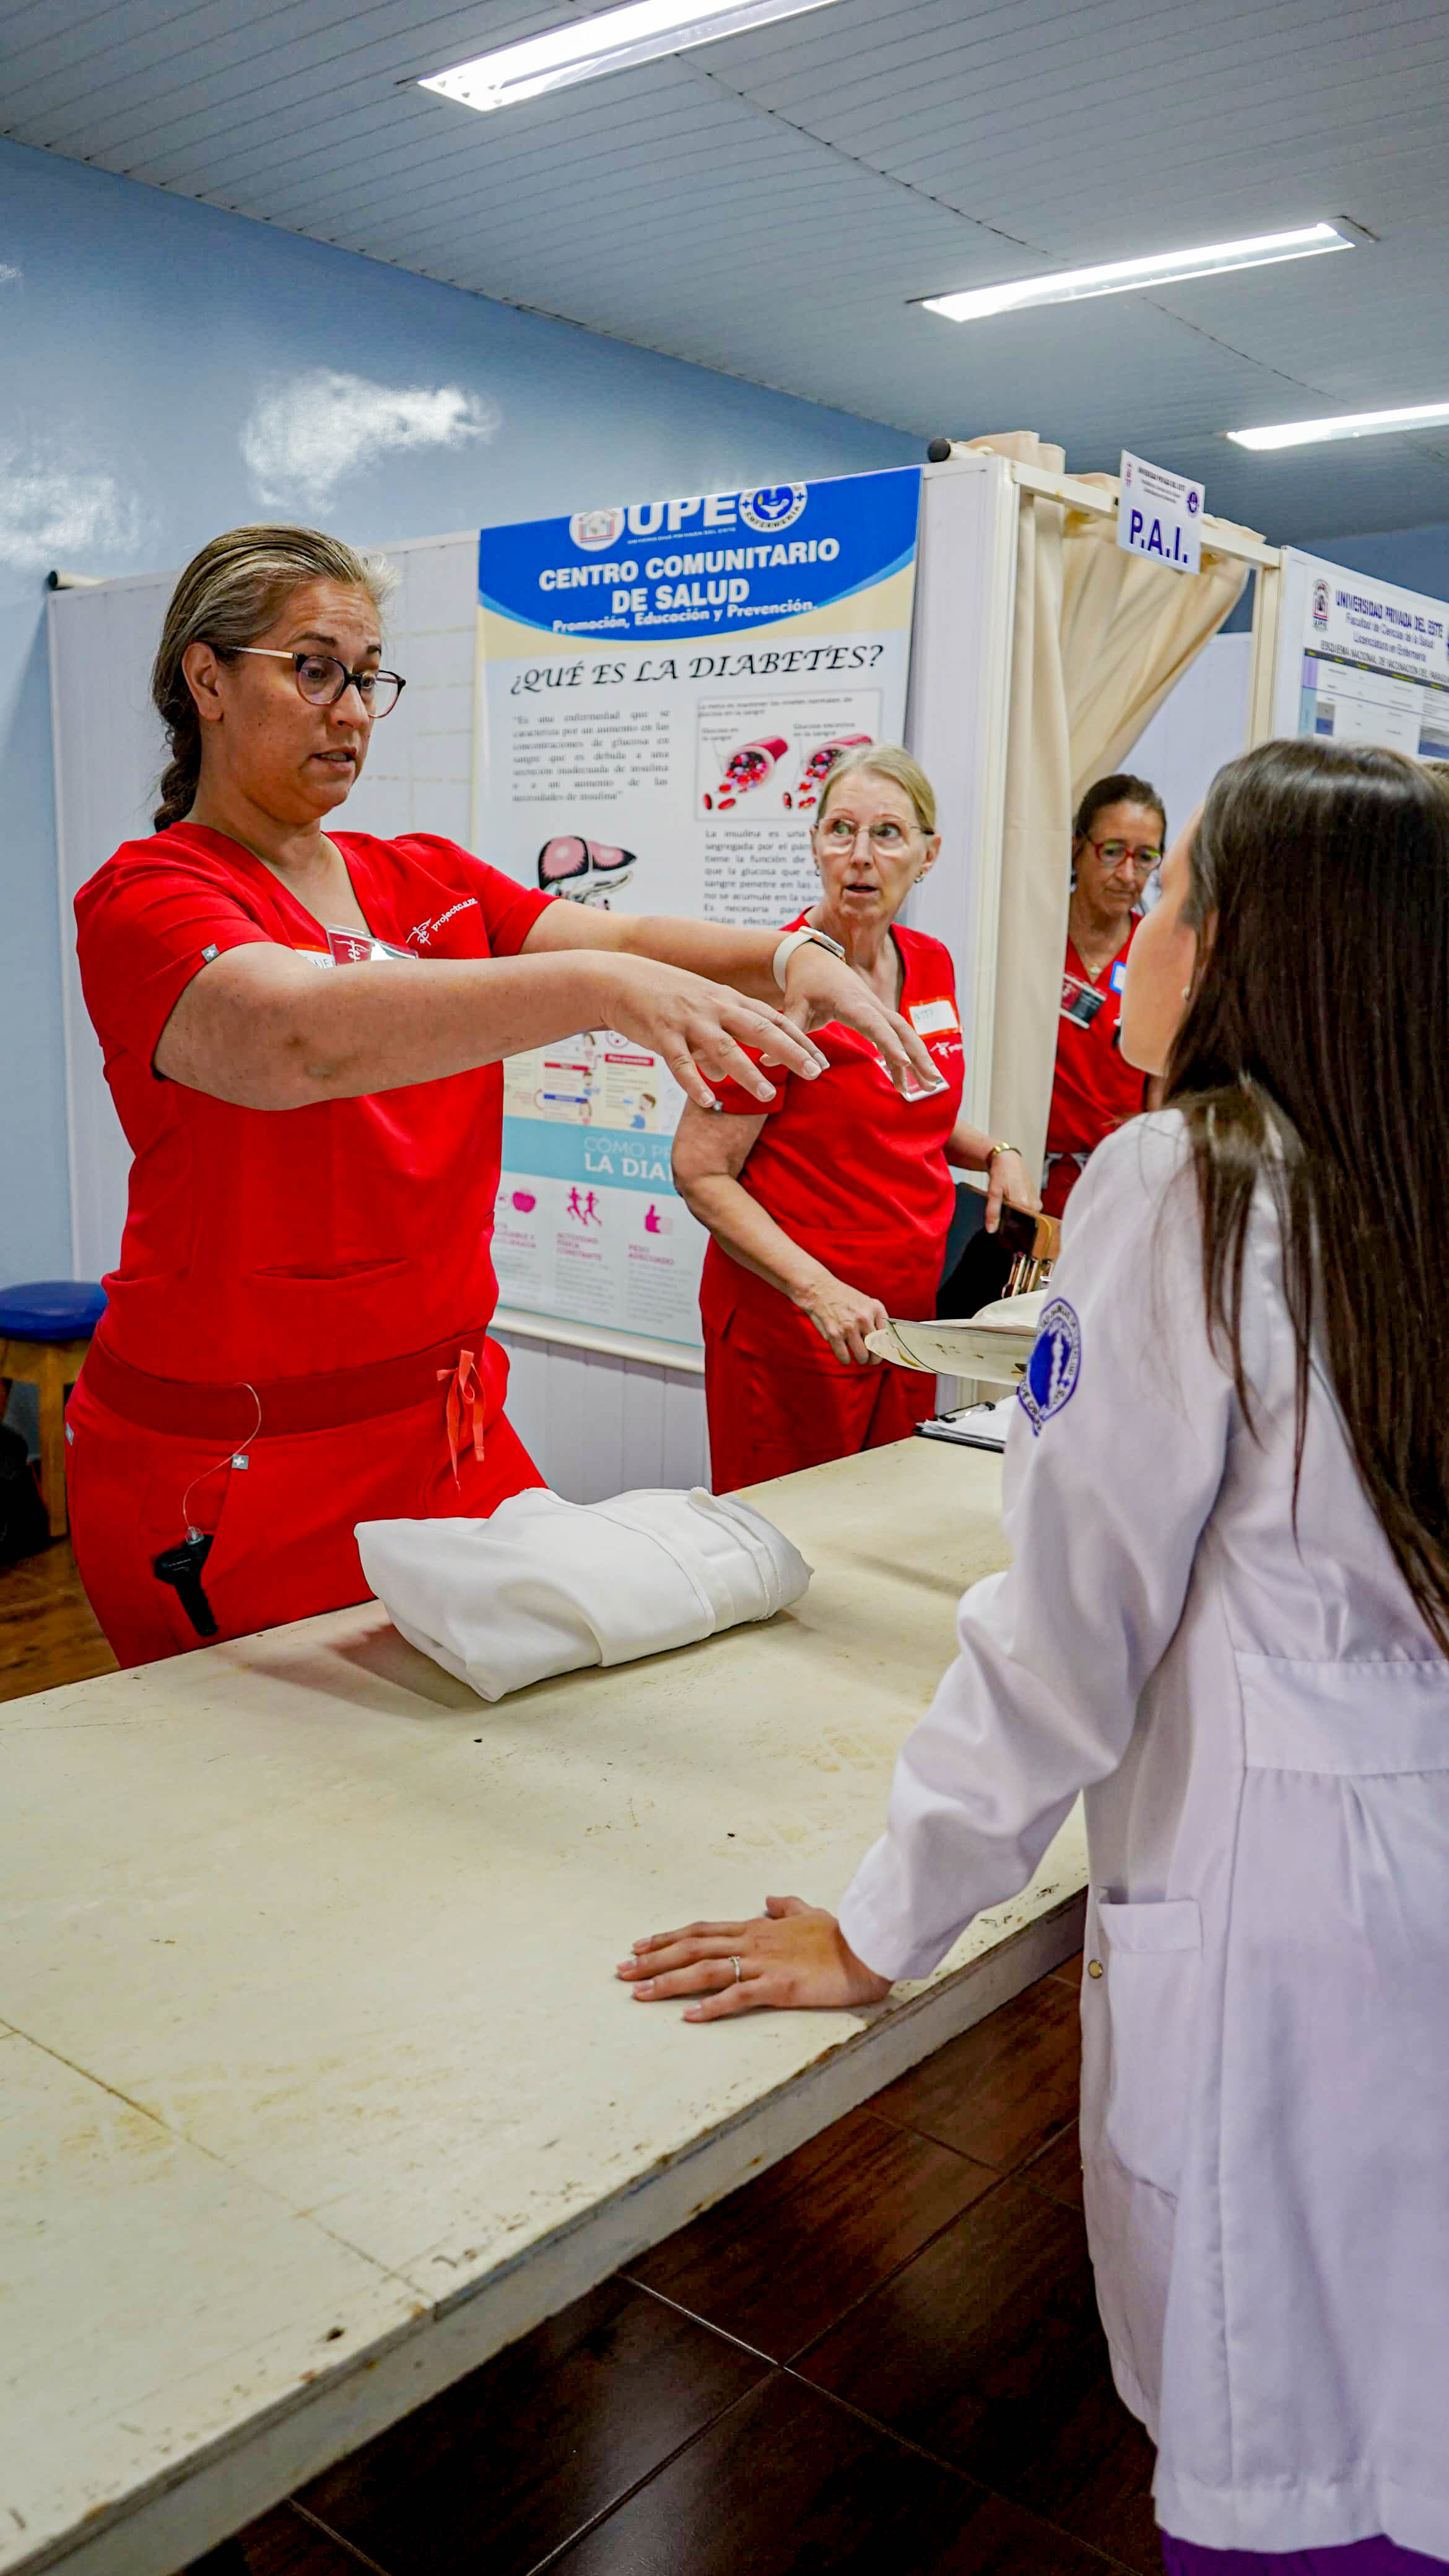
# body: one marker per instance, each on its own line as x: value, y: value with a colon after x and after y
x: 1343, y: 424
x: 608, y: 43
x: 1158, y: 268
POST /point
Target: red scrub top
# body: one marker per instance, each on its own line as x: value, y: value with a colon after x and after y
x: 854, y: 1173
x: 263, y: 1244
x: 1094, y: 1089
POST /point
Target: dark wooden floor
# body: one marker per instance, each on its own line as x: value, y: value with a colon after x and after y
x: 882, y: 2358
x: 47, y: 1631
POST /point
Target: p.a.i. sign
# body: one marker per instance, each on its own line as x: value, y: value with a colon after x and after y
x: 1159, y: 515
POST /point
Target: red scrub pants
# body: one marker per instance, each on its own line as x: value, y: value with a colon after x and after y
x: 769, y: 1416
x: 282, y: 1512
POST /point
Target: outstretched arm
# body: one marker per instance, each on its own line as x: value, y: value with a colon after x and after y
x: 818, y: 987
x: 260, y: 1026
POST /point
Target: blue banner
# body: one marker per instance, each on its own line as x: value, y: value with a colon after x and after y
x: 615, y: 1157
x: 717, y: 566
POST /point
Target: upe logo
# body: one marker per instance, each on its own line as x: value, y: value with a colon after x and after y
x: 594, y: 529
x: 1320, y: 603
x: 778, y: 506
x: 1193, y: 505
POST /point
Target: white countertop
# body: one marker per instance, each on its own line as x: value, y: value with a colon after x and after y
x: 315, y: 2083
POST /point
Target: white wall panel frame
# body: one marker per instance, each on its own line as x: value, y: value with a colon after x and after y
x: 956, y: 724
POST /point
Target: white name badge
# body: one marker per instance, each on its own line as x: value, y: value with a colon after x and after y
x: 1159, y: 515
x: 929, y: 1018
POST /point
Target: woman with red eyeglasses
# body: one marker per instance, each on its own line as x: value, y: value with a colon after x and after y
x: 296, y: 1334
x: 1117, y: 843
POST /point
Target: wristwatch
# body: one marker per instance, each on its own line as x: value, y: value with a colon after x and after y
x: 1002, y: 1148
x: 794, y: 939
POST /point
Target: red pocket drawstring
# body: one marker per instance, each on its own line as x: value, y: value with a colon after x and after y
x: 465, y: 1406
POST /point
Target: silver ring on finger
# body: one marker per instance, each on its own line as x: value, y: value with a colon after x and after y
x: 735, y: 1964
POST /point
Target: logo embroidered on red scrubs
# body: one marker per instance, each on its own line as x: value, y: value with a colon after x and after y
x: 423, y: 931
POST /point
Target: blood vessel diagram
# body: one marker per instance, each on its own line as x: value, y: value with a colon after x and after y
x: 818, y: 768
x: 748, y: 767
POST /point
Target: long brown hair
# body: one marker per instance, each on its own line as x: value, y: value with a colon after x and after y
x: 228, y: 595
x: 1314, y: 1055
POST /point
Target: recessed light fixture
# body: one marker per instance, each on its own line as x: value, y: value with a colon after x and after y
x: 608, y: 43
x: 1156, y: 268
x: 1344, y: 424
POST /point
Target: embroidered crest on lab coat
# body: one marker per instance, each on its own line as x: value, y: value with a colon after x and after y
x: 1054, y: 1366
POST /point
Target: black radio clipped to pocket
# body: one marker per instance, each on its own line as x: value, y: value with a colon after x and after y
x: 181, y: 1566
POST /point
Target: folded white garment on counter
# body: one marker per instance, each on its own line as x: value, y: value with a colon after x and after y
x: 547, y: 1586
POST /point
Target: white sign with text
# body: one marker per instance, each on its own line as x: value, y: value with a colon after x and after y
x: 1159, y: 515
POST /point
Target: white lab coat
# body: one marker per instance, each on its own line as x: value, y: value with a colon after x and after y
x: 1261, y: 1723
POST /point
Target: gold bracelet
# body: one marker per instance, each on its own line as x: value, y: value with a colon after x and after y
x: 1002, y: 1148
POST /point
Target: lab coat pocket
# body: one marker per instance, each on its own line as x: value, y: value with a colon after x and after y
x: 1151, y: 1958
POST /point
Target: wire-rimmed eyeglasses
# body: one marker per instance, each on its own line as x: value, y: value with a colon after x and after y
x: 322, y: 679
x: 837, y: 832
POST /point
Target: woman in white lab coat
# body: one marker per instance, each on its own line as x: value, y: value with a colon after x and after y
x: 1227, y: 1619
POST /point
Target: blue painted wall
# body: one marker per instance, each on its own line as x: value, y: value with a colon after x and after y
x: 1416, y: 558
x: 167, y: 371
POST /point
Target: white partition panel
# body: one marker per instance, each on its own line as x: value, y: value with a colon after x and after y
x: 107, y: 746
x: 599, y: 1424
x: 956, y: 724
x: 1199, y: 725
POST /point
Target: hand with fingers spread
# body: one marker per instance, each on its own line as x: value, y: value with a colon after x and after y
x: 842, y: 1315
x: 701, y: 1029
x: 791, y: 1958
x: 820, y: 988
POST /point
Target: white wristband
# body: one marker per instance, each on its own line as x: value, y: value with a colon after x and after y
x: 794, y: 939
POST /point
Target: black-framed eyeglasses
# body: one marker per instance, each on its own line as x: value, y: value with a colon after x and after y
x: 1112, y: 854
x: 322, y: 679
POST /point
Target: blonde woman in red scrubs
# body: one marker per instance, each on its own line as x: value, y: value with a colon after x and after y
x: 829, y: 1204
x: 303, y: 1032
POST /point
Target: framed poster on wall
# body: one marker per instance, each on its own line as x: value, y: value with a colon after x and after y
x: 662, y: 690
x: 1360, y: 660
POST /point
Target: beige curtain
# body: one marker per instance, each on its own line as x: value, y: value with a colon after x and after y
x: 1101, y: 636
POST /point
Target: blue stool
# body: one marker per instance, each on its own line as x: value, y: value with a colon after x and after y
x: 45, y: 1333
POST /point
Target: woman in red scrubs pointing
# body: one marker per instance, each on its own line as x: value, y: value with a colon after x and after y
x: 829, y: 1204
x: 303, y: 1033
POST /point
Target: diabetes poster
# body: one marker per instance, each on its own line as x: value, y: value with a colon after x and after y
x: 663, y: 690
